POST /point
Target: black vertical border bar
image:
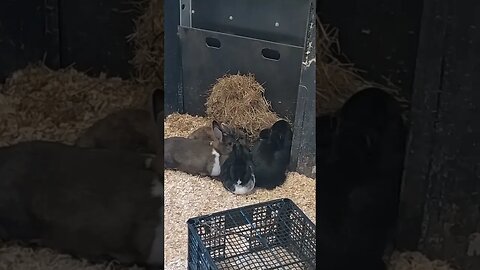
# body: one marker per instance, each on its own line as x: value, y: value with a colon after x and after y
x: 172, y: 59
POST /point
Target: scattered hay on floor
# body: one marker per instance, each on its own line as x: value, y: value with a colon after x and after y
x: 182, y: 124
x: 24, y: 258
x: 188, y: 196
x: 239, y: 101
x: 39, y: 103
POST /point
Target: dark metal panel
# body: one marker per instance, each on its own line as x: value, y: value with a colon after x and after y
x: 172, y: 59
x: 303, y: 154
x: 94, y: 36
x: 282, y: 21
x: 203, y: 65
x: 27, y: 34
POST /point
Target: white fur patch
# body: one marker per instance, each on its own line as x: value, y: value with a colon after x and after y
x: 157, y: 188
x: 242, y: 190
x: 216, y: 164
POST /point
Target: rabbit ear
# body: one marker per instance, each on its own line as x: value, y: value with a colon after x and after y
x: 226, y: 129
x: 265, y: 133
x: 217, y: 131
x: 224, y: 126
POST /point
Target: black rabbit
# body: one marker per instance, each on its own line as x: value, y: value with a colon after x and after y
x: 237, y: 173
x: 271, y: 155
x: 358, y: 183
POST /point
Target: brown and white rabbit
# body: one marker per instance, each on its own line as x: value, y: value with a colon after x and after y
x: 199, y: 157
x: 204, y: 133
x: 92, y: 203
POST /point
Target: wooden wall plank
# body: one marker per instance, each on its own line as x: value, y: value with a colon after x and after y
x: 452, y: 211
x: 441, y: 192
x: 423, y: 115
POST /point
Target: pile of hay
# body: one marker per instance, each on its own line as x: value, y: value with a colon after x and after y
x: 239, y: 101
x: 39, y: 103
x: 148, y: 40
x: 188, y: 196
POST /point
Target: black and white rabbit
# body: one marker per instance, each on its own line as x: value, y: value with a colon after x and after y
x: 271, y: 155
x: 92, y: 203
x: 237, y: 173
x: 358, y: 183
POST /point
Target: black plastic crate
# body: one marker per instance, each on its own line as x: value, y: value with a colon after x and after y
x: 270, y: 235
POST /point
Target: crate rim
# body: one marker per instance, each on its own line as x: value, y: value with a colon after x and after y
x: 191, y: 221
